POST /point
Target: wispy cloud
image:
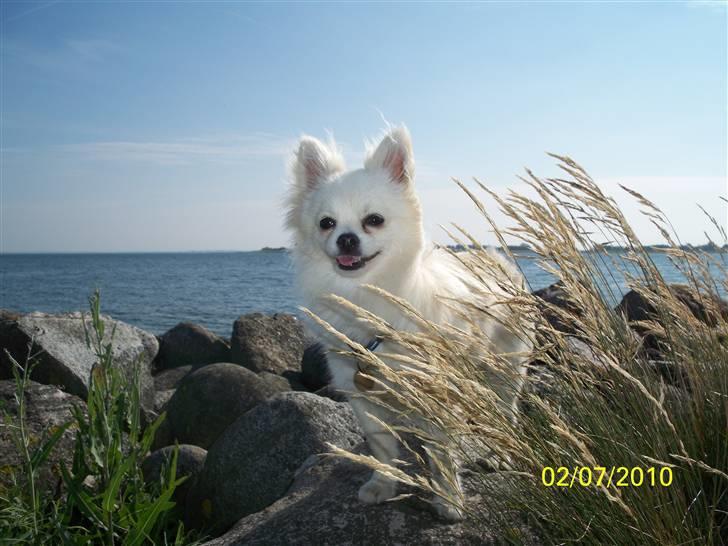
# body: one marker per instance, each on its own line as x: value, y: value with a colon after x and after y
x: 181, y: 151
x: 33, y: 9
x: 12, y: 150
x: 715, y: 5
x: 73, y: 56
x: 677, y: 196
x: 93, y: 50
x: 220, y: 148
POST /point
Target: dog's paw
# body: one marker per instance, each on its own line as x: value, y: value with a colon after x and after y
x: 377, y: 490
x: 447, y: 511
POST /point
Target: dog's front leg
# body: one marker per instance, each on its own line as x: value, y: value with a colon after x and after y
x: 384, y: 447
x: 446, y: 483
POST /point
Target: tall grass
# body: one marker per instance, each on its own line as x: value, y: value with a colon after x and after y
x: 102, y: 497
x: 593, y: 398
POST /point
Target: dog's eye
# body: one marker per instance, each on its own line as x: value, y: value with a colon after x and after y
x: 374, y: 220
x: 327, y: 223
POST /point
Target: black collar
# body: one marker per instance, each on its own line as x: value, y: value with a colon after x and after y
x: 373, y: 344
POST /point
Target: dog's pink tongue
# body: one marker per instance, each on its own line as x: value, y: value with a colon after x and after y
x: 347, y: 260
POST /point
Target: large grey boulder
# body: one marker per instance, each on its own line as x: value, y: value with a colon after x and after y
x: 636, y: 308
x: 190, y: 460
x: 321, y: 507
x: 268, y: 343
x: 190, y: 344
x: 253, y: 463
x: 170, y: 379
x: 278, y: 382
x: 208, y: 400
x: 161, y: 398
x: 165, y: 384
x: 555, y: 298
x: 47, y: 408
x: 64, y: 359
x: 9, y: 315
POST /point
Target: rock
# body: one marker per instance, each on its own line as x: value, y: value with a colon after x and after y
x: 710, y: 314
x: 253, y: 463
x: 556, y: 296
x: 294, y: 380
x: 47, y: 407
x: 279, y: 383
x: 169, y: 379
x: 190, y: 344
x: 674, y: 373
x: 329, y: 391
x: 541, y: 375
x: 315, y: 373
x: 190, y: 461
x: 321, y: 507
x: 635, y: 307
x: 166, y: 382
x: 268, y: 343
x: 161, y: 398
x: 64, y: 359
x: 7, y: 314
x: 208, y: 400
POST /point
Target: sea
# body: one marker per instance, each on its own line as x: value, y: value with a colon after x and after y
x: 155, y: 291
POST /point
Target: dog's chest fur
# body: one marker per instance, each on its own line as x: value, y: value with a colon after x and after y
x: 431, y: 284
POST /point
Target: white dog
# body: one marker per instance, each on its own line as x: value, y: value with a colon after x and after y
x: 365, y: 227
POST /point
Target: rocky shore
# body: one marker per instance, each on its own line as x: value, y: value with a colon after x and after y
x: 252, y: 416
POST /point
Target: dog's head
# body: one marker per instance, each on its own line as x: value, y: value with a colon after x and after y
x: 358, y: 223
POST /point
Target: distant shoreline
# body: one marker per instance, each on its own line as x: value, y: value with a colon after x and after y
x: 709, y: 247
x: 145, y: 252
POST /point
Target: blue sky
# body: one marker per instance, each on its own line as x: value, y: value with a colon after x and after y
x: 144, y: 126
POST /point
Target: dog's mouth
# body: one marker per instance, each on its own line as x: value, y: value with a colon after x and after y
x: 348, y: 262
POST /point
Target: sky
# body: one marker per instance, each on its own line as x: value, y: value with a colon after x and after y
x: 167, y: 126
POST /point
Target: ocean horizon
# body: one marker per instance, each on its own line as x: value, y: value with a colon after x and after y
x: 156, y: 290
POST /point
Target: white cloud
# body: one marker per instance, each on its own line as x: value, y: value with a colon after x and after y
x: 181, y: 151
x: 71, y: 57
x: 93, y: 50
x: 31, y: 10
x: 714, y: 5
x: 677, y: 197
x: 64, y: 227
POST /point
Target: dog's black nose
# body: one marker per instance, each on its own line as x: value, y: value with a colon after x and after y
x: 347, y: 242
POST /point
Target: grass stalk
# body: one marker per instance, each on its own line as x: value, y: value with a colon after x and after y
x: 596, y: 394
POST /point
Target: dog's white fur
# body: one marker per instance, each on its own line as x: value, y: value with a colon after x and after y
x: 406, y: 266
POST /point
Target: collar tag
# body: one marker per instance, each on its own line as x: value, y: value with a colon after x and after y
x: 366, y: 383
x: 373, y: 344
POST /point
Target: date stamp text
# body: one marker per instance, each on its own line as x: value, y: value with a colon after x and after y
x: 615, y: 476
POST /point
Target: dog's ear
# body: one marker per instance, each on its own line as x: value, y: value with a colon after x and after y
x: 314, y: 161
x: 394, y: 155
